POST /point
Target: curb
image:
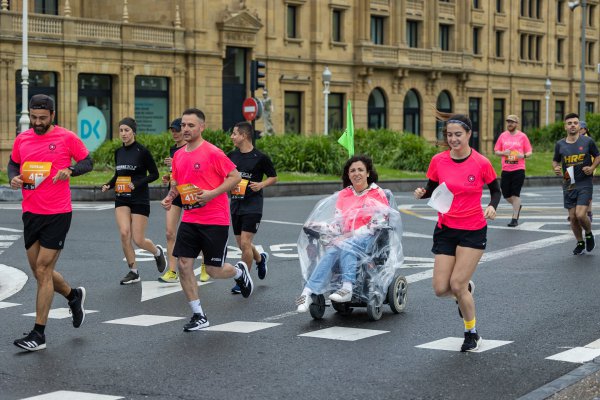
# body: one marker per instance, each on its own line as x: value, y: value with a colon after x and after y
x: 93, y: 193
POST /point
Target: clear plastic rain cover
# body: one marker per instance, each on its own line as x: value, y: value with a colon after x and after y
x: 362, y: 244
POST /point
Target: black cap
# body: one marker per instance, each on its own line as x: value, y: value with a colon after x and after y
x: 130, y: 122
x: 41, y: 102
x: 176, y: 124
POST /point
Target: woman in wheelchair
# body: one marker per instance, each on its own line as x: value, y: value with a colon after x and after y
x: 351, y: 234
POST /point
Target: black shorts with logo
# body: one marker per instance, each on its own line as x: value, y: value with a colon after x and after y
x: 51, y: 229
x: 511, y: 183
x: 211, y: 240
x: 446, y: 240
x: 245, y: 223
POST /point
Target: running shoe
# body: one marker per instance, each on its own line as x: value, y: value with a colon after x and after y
x: 245, y: 280
x: 303, y: 302
x: 204, y: 276
x: 472, y: 342
x: 579, y: 249
x: 470, y: 288
x: 341, y: 296
x: 161, y: 259
x: 32, y: 342
x: 236, y: 290
x: 197, y: 322
x: 169, y: 277
x: 76, y: 307
x: 590, y: 243
x: 513, y: 222
x: 261, y: 266
x: 130, y: 278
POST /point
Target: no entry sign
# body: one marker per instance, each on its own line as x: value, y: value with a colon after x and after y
x: 250, y: 109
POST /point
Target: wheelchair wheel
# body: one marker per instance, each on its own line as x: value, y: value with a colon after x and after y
x: 317, y: 308
x: 375, y: 308
x: 397, y: 294
x: 342, y: 308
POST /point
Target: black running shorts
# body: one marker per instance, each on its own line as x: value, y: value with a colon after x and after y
x: 511, y: 183
x: 211, y: 240
x: 141, y: 209
x: 578, y: 197
x: 51, y: 230
x: 446, y: 240
x: 177, y: 202
x: 245, y: 223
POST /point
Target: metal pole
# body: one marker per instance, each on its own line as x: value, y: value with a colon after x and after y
x: 24, y: 120
x: 326, y: 93
x: 547, y: 101
x: 582, y: 83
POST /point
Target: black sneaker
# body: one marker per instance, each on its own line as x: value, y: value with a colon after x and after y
x: 590, y: 243
x: 197, y: 322
x: 32, y: 342
x: 513, y: 222
x: 472, y: 342
x: 76, y: 307
x: 580, y: 249
x: 236, y: 290
x: 470, y: 288
x: 261, y: 267
x: 131, y: 277
x: 244, y: 281
x: 161, y: 259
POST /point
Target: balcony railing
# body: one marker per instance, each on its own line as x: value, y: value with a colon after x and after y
x: 415, y: 6
x: 378, y: 54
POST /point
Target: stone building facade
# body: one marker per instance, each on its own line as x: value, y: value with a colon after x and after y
x: 395, y: 60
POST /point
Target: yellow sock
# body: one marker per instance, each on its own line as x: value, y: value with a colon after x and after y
x: 469, y: 325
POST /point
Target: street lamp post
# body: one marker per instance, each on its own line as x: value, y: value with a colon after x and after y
x: 572, y: 6
x: 548, y: 85
x: 326, y: 82
x: 24, y: 120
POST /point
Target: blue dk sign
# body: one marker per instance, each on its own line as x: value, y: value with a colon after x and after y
x: 91, y: 127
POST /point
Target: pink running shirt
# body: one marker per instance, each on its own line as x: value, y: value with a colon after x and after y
x: 356, y: 210
x: 519, y: 142
x: 465, y: 180
x: 59, y: 146
x: 206, y: 167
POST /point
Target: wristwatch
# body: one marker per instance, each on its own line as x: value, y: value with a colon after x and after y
x: 72, y: 168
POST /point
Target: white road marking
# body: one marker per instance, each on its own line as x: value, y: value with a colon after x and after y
x: 60, y: 313
x: 282, y: 222
x: 144, y: 320
x: 11, y: 230
x: 69, y: 395
x: 9, y: 237
x: 241, y: 326
x: 6, y: 304
x: 454, y: 344
x: 280, y: 316
x: 154, y: 289
x: 576, y: 355
x: 342, y: 333
x: 13, y: 280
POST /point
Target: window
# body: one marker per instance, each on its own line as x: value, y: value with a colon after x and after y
x: 293, y: 108
x: 476, y: 40
x: 499, y: 6
x: 412, y: 33
x: 591, y: 15
x: 531, y: 8
x: 499, y: 44
x: 589, y: 106
x: 377, y: 31
x: 559, y: 110
x: 589, y: 53
x: 530, y: 47
x: 531, y: 114
x: 95, y: 104
x: 412, y: 112
x: 49, y: 7
x: 475, y: 116
x: 560, y: 6
x: 40, y: 82
x: 499, y: 113
x: 476, y: 4
x: 560, y: 43
x: 336, y: 25
x: 443, y: 104
x: 377, y: 110
x: 445, y: 37
x: 151, y: 104
x: 292, y: 21
x: 335, y: 120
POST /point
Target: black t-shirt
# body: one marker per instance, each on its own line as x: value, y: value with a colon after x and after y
x: 174, y: 148
x: 576, y: 155
x: 136, y: 162
x: 252, y: 166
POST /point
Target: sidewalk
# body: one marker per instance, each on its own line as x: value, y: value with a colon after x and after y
x: 90, y: 193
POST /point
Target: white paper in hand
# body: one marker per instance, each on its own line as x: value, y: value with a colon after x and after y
x: 441, y: 199
x: 571, y: 172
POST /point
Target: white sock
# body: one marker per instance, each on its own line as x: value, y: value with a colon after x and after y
x: 347, y: 286
x: 134, y: 270
x: 238, y: 273
x: 157, y: 251
x: 196, y: 307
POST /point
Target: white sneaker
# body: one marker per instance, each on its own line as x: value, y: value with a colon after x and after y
x: 303, y: 302
x: 341, y: 296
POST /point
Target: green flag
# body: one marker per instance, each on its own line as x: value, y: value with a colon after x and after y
x: 347, y: 139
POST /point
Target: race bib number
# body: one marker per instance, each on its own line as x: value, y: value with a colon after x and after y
x: 34, y: 173
x: 513, y: 157
x: 122, y: 188
x: 239, y: 191
x: 188, y: 192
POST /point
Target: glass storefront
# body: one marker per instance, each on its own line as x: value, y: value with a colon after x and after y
x: 152, y: 104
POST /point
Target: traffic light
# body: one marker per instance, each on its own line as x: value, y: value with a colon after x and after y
x: 257, y: 73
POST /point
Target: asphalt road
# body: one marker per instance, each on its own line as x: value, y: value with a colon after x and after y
x: 534, y: 301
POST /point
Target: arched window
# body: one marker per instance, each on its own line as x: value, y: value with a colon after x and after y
x: 377, y: 110
x: 412, y: 112
x: 444, y: 104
